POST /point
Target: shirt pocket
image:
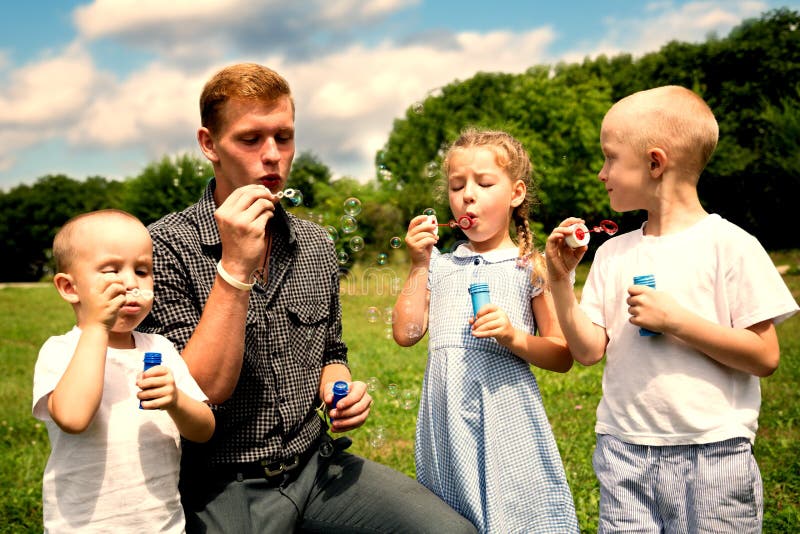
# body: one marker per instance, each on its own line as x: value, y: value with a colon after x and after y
x: 309, y: 323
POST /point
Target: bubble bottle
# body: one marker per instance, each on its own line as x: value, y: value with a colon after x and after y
x: 580, y: 233
x: 648, y: 280
x: 340, y: 390
x: 151, y: 359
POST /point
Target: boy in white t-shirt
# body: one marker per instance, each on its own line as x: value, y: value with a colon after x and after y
x: 679, y: 411
x: 113, y: 467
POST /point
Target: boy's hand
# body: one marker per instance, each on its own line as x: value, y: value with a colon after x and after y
x: 491, y: 321
x: 352, y: 410
x: 561, y: 258
x: 105, y: 298
x: 420, y: 239
x: 158, y: 388
x: 652, y: 309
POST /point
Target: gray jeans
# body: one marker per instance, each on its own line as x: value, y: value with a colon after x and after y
x: 339, y: 493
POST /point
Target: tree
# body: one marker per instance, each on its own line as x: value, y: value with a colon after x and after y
x: 308, y: 173
x: 166, y: 186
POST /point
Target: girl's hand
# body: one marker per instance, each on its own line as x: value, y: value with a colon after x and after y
x: 420, y: 239
x: 158, y: 388
x: 491, y: 321
x: 561, y: 258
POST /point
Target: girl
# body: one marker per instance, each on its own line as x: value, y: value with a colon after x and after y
x: 483, y: 441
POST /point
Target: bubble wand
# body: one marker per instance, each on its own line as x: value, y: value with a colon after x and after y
x: 580, y: 233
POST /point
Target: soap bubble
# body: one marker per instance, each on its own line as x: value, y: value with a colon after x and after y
x: 432, y: 169
x: 373, y: 314
x: 382, y: 258
x: 388, y: 315
x: 418, y: 107
x: 357, y: 243
x: 352, y: 206
x: 348, y: 224
x: 385, y: 174
x: 430, y: 212
x: 388, y: 333
x: 342, y: 257
x: 391, y: 389
x: 408, y: 398
x: 293, y: 196
x: 377, y: 437
x: 333, y: 234
x: 373, y: 384
x: 395, y: 242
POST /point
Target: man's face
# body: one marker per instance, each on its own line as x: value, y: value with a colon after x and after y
x: 255, y: 145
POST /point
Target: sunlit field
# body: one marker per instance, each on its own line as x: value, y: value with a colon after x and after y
x: 31, y: 315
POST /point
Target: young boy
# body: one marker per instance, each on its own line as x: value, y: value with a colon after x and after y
x: 113, y: 466
x: 679, y: 411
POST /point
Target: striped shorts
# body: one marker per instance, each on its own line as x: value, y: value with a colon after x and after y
x: 713, y: 487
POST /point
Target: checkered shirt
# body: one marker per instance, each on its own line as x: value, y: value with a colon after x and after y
x: 293, y: 329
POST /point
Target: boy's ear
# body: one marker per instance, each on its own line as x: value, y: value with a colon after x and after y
x: 66, y: 287
x: 518, y: 193
x: 206, y: 142
x: 658, y: 162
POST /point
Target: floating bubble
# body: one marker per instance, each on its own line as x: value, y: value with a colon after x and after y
x: 342, y: 257
x: 395, y: 242
x: 373, y: 314
x: 377, y: 437
x: 333, y: 234
x: 357, y: 243
x: 373, y: 384
x: 408, y: 398
x: 418, y: 107
x: 432, y: 169
x: 294, y: 196
x: 388, y: 333
x: 176, y: 182
x: 388, y: 315
x: 348, y: 224
x: 385, y: 174
x: 382, y: 258
x: 352, y: 206
x: 391, y: 389
x: 430, y: 212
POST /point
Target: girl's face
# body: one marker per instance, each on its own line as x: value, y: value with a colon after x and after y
x: 479, y: 188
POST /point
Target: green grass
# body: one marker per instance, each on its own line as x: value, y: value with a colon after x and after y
x: 31, y: 315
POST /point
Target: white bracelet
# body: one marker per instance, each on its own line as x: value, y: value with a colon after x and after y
x: 231, y: 280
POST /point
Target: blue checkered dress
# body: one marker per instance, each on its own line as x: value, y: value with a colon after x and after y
x: 483, y: 441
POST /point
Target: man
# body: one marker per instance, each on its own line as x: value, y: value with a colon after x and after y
x: 250, y: 294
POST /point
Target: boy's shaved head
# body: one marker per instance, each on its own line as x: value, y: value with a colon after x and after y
x: 68, y: 237
x: 673, y: 118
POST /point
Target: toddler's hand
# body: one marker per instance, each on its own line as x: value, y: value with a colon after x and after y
x: 158, y: 390
x: 561, y: 258
x: 491, y: 321
x: 104, y: 300
x: 420, y: 239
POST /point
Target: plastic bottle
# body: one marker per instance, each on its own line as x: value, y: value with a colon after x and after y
x: 479, y: 291
x: 340, y: 390
x: 648, y: 280
x: 151, y: 359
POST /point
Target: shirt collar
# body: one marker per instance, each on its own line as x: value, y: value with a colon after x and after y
x: 493, y: 256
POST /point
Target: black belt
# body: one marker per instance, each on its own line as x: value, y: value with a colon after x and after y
x: 276, y: 471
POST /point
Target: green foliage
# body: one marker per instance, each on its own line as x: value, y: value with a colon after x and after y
x: 166, y: 186
x: 30, y: 216
x: 308, y: 173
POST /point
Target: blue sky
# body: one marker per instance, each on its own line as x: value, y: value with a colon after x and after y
x: 106, y: 87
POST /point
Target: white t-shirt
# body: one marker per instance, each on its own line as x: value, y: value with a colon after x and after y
x: 657, y: 390
x: 121, y: 473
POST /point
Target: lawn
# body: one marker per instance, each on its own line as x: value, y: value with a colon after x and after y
x: 31, y: 315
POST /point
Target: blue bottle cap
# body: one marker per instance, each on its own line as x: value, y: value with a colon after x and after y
x: 478, y: 287
x: 153, y: 358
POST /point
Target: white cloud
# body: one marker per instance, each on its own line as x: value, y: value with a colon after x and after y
x: 664, y: 22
